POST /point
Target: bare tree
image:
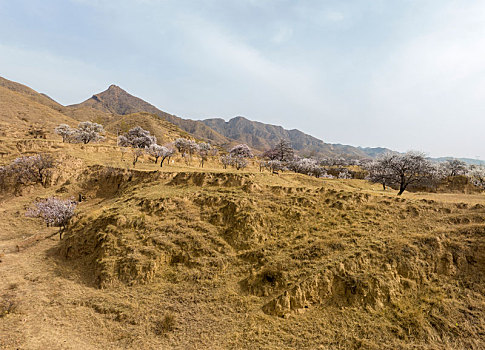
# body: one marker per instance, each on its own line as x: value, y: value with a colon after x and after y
x: 37, y: 132
x: 55, y: 212
x: 136, y: 153
x: 240, y: 163
x: 270, y: 154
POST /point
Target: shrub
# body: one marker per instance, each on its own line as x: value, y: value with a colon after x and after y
x: 166, y: 324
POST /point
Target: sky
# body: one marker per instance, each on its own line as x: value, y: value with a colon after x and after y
x: 402, y: 74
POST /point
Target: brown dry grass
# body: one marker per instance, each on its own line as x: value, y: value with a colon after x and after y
x: 190, y: 258
x: 219, y: 250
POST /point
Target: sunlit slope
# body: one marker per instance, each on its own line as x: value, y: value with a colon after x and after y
x: 18, y: 113
x: 286, y: 255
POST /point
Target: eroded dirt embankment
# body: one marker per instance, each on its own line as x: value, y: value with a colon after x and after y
x: 292, y: 258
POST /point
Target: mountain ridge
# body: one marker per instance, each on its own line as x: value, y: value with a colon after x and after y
x: 257, y: 135
x: 115, y: 102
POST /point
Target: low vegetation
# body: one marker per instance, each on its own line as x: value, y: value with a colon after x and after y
x: 225, y: 247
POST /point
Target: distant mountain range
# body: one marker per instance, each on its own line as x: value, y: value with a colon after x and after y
x: 257, y: 135
x: 117, y: 110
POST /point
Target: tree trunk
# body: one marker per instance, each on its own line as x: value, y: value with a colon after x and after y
x: 384, y: 186
x: 402, y: 188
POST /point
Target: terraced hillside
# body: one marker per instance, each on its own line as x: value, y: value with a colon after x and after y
x: 209, y: 258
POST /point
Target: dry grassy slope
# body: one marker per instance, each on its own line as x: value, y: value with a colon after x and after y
x: 18, y: 112
x: 241, y: 260
x: 162, y: 129
x: 389, y: 272
x: 31, y: 94
x: 22, y: 108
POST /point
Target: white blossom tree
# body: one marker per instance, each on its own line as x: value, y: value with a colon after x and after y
x: 306, y: 166
x: 454, y: 167
x: 403, y: 170
x: 166, y: 152
x: 55, y: 212
x: 226, y: 160
x: 29, y: 169
x: 203, y: 152
x: 476, y: 174
x: 379, y: 171
x: 137, y: 137
x: 65, y: 131
x: 241, y: 150
x: 88, y: 132
x: 239, y: 155
x: 186, y: 147
x: 275, y: 165
x: 156, y: 151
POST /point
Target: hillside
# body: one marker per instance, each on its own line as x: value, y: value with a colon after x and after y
x: 22, y: 110
x: 185, y: 257
x: 263, y: 136
x: 118, y: 101
x: 191, y: 258
x: 257, y: 135
x: 31, y: 94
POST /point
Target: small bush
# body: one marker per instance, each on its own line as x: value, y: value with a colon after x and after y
x: 166, y: 324
x: 8, y: 305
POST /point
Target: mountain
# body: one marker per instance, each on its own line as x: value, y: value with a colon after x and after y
x: 115, y: 108
x: 470, y: 161
x: 118, y: 101
x: 257, y: 135
x: 263, y: 136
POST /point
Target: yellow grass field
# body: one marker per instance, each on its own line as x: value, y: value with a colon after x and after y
x: 183, y: 257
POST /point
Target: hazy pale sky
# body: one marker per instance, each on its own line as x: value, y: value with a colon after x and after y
x: 403, y: 74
